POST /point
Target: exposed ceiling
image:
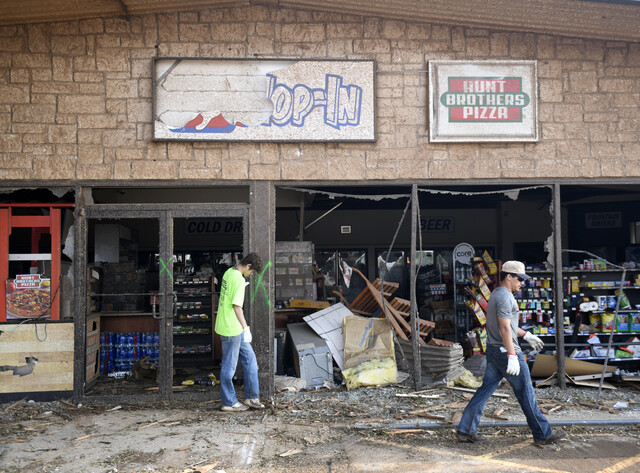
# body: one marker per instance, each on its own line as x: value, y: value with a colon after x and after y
x: 609, y: 20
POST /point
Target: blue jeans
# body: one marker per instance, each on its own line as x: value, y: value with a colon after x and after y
x: 233, y: 348
x: 522, y: 387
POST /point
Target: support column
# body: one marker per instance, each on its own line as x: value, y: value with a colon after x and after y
x: 556, y: 212
x: 79, y: 304
x: 262, y: 234
x: 413, y: 271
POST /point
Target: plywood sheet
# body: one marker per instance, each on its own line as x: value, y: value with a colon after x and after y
x: 52, y: 345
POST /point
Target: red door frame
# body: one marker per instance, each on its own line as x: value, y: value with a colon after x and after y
x: 39, y: 224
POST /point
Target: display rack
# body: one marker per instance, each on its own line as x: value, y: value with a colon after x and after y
x: 192, y: 324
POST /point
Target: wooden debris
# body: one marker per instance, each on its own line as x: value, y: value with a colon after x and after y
x: 13, y: 405
x: 200, y: 469
x: 431, y: 416
x: 206, y: 468
x: 405, y: 431
x: 457, y: 415
x: 85, y: 437
x: 288, y: 453
x: 374, y: 297
x: 153, y: 423
x: 182, y: 449
x: 425, y: 390
x: 456, y: 405
x: 469, y: 390
x: 424, y: 396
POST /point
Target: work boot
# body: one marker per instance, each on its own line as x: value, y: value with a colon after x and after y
x: 553, y: 438
x: 469, y: 438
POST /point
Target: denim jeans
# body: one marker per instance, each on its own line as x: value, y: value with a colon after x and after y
x: 522, y: 387
x: 233, y: 348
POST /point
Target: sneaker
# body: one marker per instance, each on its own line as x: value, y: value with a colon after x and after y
x: 237, y: 407
x: 254, y: 403
x: 555, y: 436
x: 469, y: 438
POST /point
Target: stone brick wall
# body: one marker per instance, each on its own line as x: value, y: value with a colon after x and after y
x: 75, y: 100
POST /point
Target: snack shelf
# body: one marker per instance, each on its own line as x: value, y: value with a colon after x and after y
x: 193, y: 323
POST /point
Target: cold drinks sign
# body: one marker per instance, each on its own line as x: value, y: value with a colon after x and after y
x: 483, y: 101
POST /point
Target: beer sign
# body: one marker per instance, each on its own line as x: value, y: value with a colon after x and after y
x: 483, y: 101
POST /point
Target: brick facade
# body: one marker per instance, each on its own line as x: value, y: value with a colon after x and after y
x: 75, y: 100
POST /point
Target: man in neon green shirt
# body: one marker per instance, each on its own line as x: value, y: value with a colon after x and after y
x: 236, y: 336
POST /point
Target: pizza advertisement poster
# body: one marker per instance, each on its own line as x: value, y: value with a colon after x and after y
x: 476, y: 101
x: 28, y: 296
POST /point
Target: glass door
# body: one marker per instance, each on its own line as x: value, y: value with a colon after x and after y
x: 124, y: 306
x: 204, y: 247
x: 153, y: 272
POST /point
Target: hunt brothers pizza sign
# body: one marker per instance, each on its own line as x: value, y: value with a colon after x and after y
x: 483, y: 101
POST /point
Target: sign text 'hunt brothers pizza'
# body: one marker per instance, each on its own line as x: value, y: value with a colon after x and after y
x: 483, y: 101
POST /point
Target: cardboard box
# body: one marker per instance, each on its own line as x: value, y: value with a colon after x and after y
x: 307, y: 304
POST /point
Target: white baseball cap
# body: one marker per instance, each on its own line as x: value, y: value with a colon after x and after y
x: 515, y: 267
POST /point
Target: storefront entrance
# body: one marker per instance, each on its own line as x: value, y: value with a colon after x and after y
x: 149, y: 304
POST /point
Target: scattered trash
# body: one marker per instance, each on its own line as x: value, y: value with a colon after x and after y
x: 468, y: 380
x: 289, y: 383
x: 115, y: 408
x: 620, y: 405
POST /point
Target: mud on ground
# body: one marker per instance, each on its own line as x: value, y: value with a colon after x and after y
x: 325, y: 430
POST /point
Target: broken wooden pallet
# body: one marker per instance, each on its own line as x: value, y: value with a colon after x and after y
x: 372, y: 300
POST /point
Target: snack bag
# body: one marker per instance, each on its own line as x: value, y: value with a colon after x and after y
x: 484, y: 289
x: 624, y: 300
x: 477, y: 311
x: 623, y: 323
x: 607, y: 321
x: 493, y: 268
x: 482, y: 335
x: 478, y: 267
x: 477, y: 297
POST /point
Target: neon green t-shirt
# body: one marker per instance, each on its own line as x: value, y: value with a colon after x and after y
x: 231, y: 293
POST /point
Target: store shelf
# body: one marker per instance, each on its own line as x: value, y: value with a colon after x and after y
x: 120, y: 314
x: 194, y: 309
x: 587, y: 358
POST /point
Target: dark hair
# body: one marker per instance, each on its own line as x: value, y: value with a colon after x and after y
x: 254, y: 260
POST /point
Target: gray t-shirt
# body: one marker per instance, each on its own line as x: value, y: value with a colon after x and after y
x: 502, y: 304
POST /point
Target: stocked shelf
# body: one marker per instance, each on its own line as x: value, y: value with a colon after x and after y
x: 193, y: 330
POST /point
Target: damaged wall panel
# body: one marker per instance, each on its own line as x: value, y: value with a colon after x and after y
x: 36, y: 358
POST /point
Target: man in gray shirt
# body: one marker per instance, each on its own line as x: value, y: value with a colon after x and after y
x: 505, y: 360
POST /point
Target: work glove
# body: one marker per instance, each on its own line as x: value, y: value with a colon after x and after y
x: 535, y: 342
x: 247, y: 335
x: 513, y: 366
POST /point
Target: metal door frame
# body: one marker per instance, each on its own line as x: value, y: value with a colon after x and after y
x: 165, y: 214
